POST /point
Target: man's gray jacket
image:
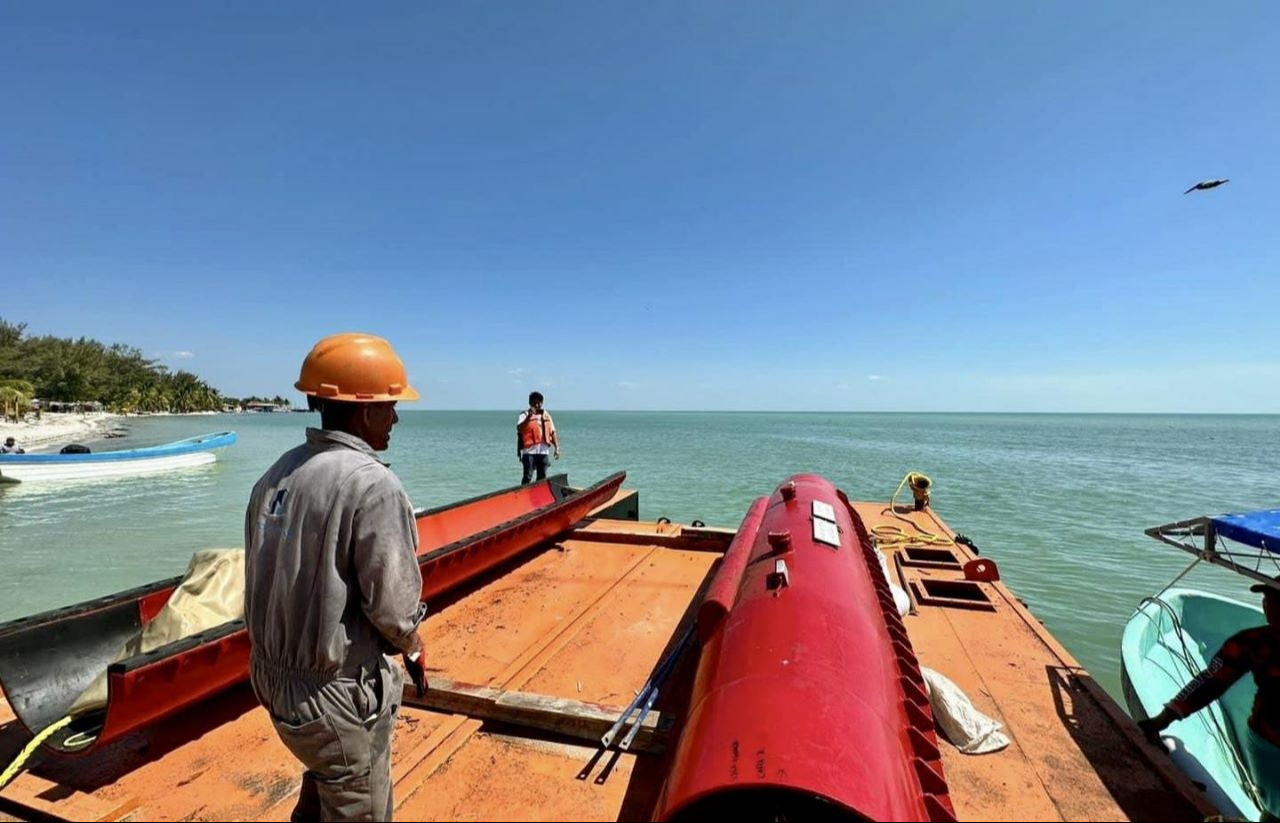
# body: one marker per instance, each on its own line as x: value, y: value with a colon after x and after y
x: 331, y: 571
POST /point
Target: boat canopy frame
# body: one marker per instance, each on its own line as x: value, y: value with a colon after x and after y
x: 1214, y: 539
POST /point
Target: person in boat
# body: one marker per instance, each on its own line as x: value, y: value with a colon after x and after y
x: 332, y: 584
x: 535, y: 439
x: 11, y: 447
x: 1254, y: 650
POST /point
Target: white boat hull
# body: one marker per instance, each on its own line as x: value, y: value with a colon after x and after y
x: 33, y: 472
x: 194, y: 451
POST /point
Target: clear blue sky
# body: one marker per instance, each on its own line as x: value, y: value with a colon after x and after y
x: 722, y: 205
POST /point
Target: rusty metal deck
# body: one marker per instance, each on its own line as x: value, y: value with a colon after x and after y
x: 1074, y: 755
x: 582, y: 625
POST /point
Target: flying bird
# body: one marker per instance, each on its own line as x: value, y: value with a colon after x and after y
x: 1205, y: 186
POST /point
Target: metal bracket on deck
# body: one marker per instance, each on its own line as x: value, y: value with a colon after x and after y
x: 983, y: 569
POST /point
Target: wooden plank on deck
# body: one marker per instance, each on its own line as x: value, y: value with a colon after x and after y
x: 572, y: 718
x: 686, y: 538
x: 28, y: 794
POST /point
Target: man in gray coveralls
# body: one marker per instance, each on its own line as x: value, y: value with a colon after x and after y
x: 332, y: 584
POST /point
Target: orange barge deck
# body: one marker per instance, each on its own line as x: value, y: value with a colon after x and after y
x: 533, y: 664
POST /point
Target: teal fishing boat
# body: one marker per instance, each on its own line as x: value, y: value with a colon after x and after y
x: 1173, y: 636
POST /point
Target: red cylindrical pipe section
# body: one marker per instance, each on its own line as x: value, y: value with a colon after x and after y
x: 798, y: 707
x: 724, y: 586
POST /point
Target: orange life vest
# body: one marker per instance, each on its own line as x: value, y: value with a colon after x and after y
x: 537, y: 432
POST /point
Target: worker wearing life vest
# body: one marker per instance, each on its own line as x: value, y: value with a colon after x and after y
x: 536, y: 439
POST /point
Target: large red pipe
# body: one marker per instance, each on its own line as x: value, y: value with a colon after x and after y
x: 808, y: 702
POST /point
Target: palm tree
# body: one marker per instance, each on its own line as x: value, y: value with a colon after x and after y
x: 15, y: 398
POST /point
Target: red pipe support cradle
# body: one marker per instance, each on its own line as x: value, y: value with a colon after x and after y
x: 47, y: 660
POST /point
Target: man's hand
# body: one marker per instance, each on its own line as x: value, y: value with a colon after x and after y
x: 417, y: 674
x: 557, y: 452
x: 1152, y: 726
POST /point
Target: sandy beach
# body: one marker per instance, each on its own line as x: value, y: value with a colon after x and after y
x: 57, y: 429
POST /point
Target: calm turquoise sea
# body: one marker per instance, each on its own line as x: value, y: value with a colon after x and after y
x: 1060, y: 501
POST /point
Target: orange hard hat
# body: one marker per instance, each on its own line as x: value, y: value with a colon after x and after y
x: 355, y: 367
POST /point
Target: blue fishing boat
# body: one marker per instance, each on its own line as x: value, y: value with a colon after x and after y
x: 76, y: 464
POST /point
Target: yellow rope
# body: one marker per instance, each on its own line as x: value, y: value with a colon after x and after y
x: 890, y: 534
x: 17, y: 764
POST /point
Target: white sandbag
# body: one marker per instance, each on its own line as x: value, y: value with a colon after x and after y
x: 968, y: 729
x: 900, y: 598
x: 211, y: 593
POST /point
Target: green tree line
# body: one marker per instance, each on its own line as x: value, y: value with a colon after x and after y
x: 75, y: 371
x: 278, y: 400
